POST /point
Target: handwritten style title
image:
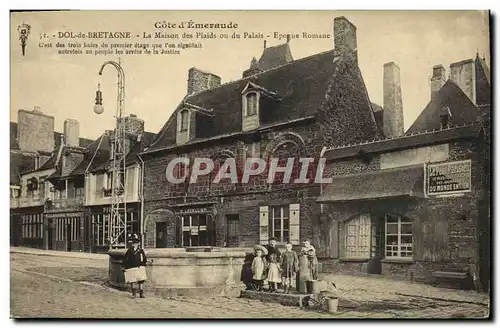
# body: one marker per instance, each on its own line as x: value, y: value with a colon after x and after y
x: 193, y: 24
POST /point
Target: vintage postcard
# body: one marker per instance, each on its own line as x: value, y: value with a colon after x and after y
x: 250, y: 164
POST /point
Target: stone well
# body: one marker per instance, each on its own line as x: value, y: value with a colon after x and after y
x: 179, y: 271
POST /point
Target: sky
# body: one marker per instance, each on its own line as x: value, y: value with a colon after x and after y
x: 64, y: 86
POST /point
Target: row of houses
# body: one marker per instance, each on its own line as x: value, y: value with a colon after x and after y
x: 61, y: 199
x: 401, y: 203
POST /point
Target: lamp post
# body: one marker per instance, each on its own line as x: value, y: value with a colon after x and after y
x: 116, y: 223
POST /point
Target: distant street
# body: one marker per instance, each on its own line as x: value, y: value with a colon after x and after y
x: 51, y: 286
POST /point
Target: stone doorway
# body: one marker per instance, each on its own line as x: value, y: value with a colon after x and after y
x: 160, y: 229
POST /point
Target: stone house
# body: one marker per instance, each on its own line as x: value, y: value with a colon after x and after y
x: 281, y: 108
x: 416, y: 206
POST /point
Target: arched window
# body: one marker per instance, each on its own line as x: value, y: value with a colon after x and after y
x: 184, y: 118
x: 251, y: 104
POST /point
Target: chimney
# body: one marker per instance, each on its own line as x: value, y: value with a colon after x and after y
x: 438, y: 79
x: 199, y: 81
x: 463, y: 74
x: 254, y: 68
x: 134, y: 127
x: 344, y: 35
x: 72, y: 133
x: 35, y: 130
x: 393, y: 102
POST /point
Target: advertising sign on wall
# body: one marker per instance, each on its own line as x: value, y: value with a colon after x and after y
x: 450, y: 177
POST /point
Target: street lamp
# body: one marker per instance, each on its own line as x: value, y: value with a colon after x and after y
x: 98, y: 108
x: 117, y: 224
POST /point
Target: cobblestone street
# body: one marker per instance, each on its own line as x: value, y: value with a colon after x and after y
x: 73, y: 287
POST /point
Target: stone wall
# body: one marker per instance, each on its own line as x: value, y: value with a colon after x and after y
x: 29, y: 121
x: 445, y: 229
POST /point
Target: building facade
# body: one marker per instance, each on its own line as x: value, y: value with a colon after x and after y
x: 416, y: 206
x: 280, y: 109
x: 31, y: 163
x: 64, y: 204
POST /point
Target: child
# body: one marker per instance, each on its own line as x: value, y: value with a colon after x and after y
x: 274, y: 273
x: 258, y: 268
x: 289, y: 266
x: 310, y: 251
x: 135, y: 261
x: 246, y: 271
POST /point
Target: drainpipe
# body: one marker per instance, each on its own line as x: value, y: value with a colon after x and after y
x: 321, y: 185
x: 141, y: 194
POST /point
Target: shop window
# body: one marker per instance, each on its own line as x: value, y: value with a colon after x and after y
x: 195, y: 230
x: 356, y: 237
x: 398, y: 236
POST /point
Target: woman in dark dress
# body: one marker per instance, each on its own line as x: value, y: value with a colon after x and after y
x: 246, y: 271
x: 135, y: 258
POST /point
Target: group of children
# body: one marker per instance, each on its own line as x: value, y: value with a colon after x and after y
x: 268, y: 263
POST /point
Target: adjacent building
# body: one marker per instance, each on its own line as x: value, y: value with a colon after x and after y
x: 31, y: 157
x: 64, y: 201
x: 416, y: 206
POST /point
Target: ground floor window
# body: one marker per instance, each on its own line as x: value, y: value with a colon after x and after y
x: 101, y: 225
x: 195, y: 230
x: 356, y: 237
x: 398, y: 236
x: 279, y: 223
x: 67, y: 229
x: 32, y: 226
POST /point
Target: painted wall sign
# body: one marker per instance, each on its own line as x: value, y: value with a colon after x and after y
x: 450, y: 177
x: 193, y: 210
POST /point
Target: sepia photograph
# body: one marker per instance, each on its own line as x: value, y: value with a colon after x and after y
x: 257, y: 164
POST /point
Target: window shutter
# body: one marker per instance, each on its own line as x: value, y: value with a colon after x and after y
x: 100, y: 183
x: 130, y: 177
x: 335, y: 237
x: 87, y: 189
x: 264, y: 224
x: 295, y: 224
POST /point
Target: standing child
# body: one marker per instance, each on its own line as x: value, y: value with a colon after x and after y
x: 134, y: 266
x: 246, y: 271
x: 289, y: 266
x: 258, y: 268
x: 310, y: 251
x: 274, y: 277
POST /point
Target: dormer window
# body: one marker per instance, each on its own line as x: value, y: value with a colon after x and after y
x: 183, y: 126
x: 251, y: 103
x: 250, y: 99
x: 445, y: 118
x: 184, y: 118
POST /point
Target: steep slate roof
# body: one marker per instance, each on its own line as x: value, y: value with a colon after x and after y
x: 102, y: 161
x: 13, y: 136
x: 378, y: 113
x: 96, y: 152
x: 275, y: 56
x: 300, y: 85
x: 20, y: 163
x: 463, y: 111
